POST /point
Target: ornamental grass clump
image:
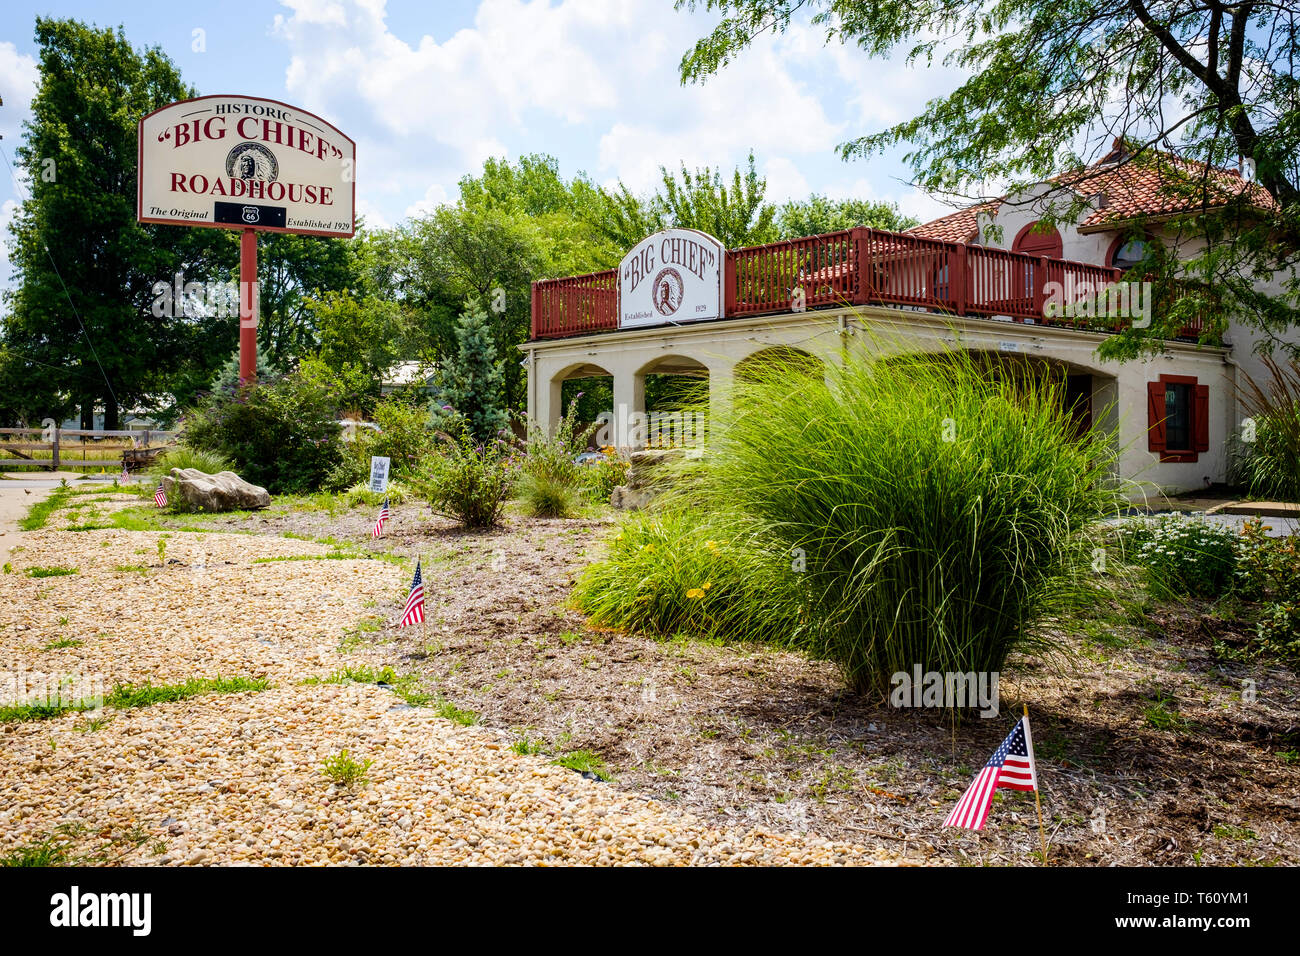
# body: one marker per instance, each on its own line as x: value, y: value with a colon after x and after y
x: 936, y: 511
x: 668, y: 573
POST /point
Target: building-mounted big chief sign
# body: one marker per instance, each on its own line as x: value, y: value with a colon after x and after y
x: 670, y: 277
x: 241, y: 162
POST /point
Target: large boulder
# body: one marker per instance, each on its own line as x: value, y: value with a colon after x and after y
x: 224, y: 491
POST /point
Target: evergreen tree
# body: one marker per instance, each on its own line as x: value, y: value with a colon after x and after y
x: 471, y: 384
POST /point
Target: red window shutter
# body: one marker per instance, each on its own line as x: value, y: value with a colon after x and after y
x: 1201, y: 419
x: 1156, y: 417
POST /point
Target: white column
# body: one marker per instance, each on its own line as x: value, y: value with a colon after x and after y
x: 629, y: 400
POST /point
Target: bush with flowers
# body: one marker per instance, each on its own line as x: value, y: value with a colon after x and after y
x: 1184, y: 555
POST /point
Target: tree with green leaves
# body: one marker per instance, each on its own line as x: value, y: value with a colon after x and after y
x: 366, y: 331
x: 1050, y: 87
x: 736, y: 215
x: 470, y: 385
x: 81, y: 328
x: 820, y: 214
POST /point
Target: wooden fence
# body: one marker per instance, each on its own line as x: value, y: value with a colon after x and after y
x: 65, y: 443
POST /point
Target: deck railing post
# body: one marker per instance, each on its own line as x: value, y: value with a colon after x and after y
x: 958, y: 282
x: 1040, y: 287
x: 532, y: 309
x: 729, y: 283
x: 862, y: 264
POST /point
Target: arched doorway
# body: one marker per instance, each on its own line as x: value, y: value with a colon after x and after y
x: 676, y: 394
x: 1033, y: 240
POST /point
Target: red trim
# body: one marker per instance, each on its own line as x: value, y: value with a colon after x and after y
x: 1200, y: 419
x: 1123, y: 239
x: 139, y: 162
x: 1032, y: 243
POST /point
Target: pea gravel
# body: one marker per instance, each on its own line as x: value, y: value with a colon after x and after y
x: 237, y: 778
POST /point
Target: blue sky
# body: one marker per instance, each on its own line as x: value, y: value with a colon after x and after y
x: 428, y: 90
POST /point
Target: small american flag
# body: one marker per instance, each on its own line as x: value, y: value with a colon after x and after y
x: 1010, y: 768
x: 414, y: 613
x: 160, y: 496
x: 384, y: 515
x: 126, y: 475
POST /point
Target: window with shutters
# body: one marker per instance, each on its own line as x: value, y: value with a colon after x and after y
x: 1178, y: 418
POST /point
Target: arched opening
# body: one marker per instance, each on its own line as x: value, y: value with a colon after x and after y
x: 676, y: 389
x: 1085, y: 394
x: 1034, y: 241
x: 591, y: 388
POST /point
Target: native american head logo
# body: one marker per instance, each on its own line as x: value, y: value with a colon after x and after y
x: 667, y: 290
x: 252, y: 161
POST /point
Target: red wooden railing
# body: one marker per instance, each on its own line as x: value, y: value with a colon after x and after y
x: 859, y: 267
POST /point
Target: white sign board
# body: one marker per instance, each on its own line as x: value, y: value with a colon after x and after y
x: 237, y: 162
x: 378, y: 474
x: 672, y: 276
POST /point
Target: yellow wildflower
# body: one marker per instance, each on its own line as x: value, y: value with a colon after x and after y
x: 695, y: 593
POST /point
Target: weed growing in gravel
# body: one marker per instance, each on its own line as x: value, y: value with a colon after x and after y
x: 584, y: 761
x: 526, y: 747
x: 41, y: 511
x: 61, y: 643
x: 20, y: 713
x: 9, y: 568
x: 345, y: 770
x: 131, y: 568
x: 50, y: 572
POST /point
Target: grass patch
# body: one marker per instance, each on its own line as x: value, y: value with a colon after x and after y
x: 21, y: 713
x: 584, y: 761
x: 146, y: 695
x: 51, y: 572
x: 457, y: 715
x: 131, y: 569
x: 61, y: 643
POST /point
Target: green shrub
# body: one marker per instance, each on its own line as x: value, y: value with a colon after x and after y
x: 360, y: 494
x: 1268, y: 461
x: 469, y: 481
x: 605, y: 475
x: 1185, y: 556
x: 546, y: 495
x: 282, y: 435
x: 1269, y: 572
x: 936, y: 511
x: 667, y: 573
x: 551, y: 483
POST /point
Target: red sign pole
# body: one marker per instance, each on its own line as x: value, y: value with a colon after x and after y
x: 248, y: 306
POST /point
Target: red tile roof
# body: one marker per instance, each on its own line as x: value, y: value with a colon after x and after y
x: 1161, y: 186
x: 959, y: 226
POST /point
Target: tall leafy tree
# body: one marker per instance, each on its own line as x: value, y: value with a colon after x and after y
x: 735, y: 214
x: 1050, y: 86
x: 81, y: 329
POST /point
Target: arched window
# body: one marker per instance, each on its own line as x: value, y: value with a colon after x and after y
x: 1126, y: 253
x: 1035, y: 243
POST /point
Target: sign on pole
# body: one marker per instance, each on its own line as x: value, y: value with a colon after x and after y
x: 672, y: 276
x: 240, y: 162
x: 378, y: 474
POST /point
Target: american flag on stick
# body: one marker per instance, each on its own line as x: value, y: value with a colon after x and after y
x: 384, y: 514
x: 160, y: 496
x: 1010, y: 768
x: 414, y: 613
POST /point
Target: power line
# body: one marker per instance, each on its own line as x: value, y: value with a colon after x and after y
x: 66, y: 294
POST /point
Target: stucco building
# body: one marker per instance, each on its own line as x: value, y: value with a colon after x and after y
x: 991, y: 279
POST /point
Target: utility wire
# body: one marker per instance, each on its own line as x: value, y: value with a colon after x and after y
x: 66, y: 294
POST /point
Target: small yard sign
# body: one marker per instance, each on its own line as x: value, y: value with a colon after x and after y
x: 378, y: 474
